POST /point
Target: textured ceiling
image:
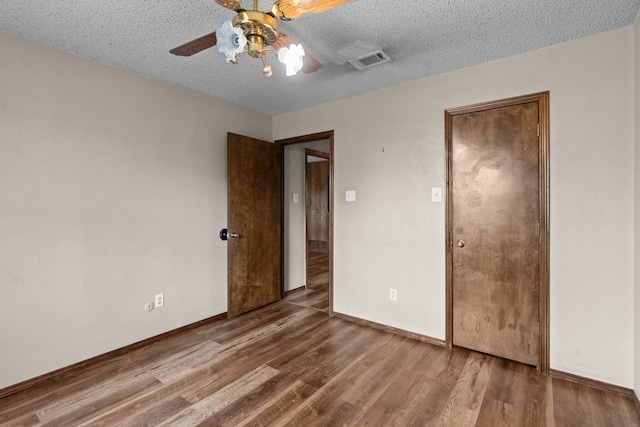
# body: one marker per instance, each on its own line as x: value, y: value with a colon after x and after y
x: 422, y: 37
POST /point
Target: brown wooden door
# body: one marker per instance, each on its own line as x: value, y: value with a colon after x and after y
x: 254, y: 183
x: 494, y: 230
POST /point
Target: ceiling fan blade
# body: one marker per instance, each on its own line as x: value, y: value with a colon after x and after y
x: 309, y: 63
x: 231, y: 4
x: 195, y: 46
x: 292, y: 9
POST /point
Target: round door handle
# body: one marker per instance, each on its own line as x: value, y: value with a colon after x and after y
x: 460, y: 243
x: 224, y: 234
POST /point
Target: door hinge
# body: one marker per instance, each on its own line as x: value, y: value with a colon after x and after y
x: 538, y: 129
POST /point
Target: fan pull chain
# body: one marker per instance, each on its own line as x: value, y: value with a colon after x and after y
x: 266, y: 68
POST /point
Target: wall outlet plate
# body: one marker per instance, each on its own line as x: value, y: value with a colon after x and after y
x: 393, y: 294
x: 159, y: 300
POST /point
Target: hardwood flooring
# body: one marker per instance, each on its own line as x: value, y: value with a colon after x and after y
x: 290, y: 365
x: 316, y: 292
x: 317, y: 270
x: 312, y: 298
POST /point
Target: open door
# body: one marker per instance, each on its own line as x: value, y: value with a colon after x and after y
x: 254, y: 203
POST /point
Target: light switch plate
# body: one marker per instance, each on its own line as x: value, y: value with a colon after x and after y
x: 351, y: 195
x: 436, y: 194
x: 296, y: 198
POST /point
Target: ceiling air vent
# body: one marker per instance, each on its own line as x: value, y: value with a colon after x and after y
x: 370, y: 60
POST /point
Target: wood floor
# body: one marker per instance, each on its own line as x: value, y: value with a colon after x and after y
x: 317, y: 270
x: 316, y: 292
x: 291, y: 365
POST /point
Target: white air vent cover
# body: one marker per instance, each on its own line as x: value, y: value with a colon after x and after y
x: 370, y: 59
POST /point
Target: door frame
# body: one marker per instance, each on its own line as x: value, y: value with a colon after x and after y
x: 320, y: 136
x: 542, y: 98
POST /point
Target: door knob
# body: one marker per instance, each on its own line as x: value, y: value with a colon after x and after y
x: 460, y: 243
x: 224, y: 234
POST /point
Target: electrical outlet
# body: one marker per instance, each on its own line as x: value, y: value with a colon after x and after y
x: 393, y: 294
x: 159, y: 300
x: 148, y: 306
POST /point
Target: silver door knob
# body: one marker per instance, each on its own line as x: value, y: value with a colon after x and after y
x: 460, y: 243
x: 234, y: 235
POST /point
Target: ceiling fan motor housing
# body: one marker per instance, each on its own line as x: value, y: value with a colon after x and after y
x: 259, y: 28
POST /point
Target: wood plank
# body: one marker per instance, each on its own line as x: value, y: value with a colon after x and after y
x: 311, y: 298
x: 150, y: 412
x: 157, y: 404
x: 323, y: 404
x: 241, y: 356
x: 516, y: 395
x: 466, y: 398
x: 235, y: 328
x: 50, y: 393
x: 208, y: 406
x: 617, y: 415
x: 570, y: 403
x: 80, y: 406
x: 440, y: 379
x: 401, y: 403
x: 279, y: 393
x: 318, y: 364
x: 318, y: 270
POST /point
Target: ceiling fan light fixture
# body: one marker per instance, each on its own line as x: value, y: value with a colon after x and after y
x: 257, y: 33
x: 231, y: 41
x: 291, y: 57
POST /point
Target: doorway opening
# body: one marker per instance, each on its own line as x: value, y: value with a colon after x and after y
x: 308, y: 220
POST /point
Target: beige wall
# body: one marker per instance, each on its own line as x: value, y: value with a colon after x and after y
x: 112, y: 189
x: 294, y: 215
x: 393, y: 236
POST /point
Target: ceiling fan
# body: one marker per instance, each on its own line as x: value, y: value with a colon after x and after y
x: 257, y: 33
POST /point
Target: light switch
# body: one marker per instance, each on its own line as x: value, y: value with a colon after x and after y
x: 351, y: 195
x: 296, y: 198
x: 436, y: 194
